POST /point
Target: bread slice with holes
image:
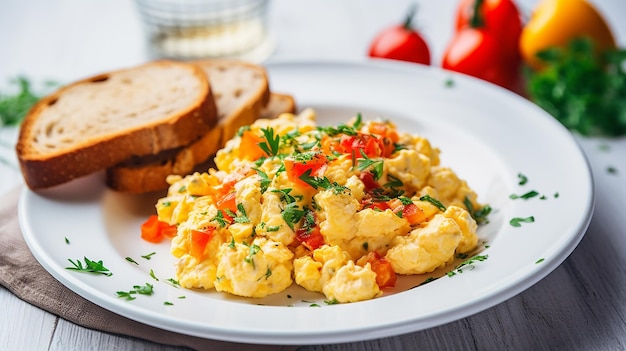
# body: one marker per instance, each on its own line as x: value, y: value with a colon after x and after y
x: 241, y: 92
x: 98, y: 122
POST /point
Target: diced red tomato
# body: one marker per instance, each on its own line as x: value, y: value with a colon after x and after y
x: 295, y: 169
x: 368, y: 180
x: 199, y: 241
x: 352, y: 144
x: 380, y: 205
x: 168, y: 231
x: 228, y: 202
x: 311, y: 238
x: 153, y: 230
x: 249, y: 146
x: 385, y: 275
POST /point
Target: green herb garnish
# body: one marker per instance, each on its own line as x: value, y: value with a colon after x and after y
x: 220, y: 219
x: 517, y: 221
x: 525, y: 196
x: 434, y: 201
x: 13, y: 108
x: 271, y: 143
x: 254, y: 249
x: 480, y: 215
x: 242, y: 217
x: 147, y: 289
x: 467, y: 264
x: 265, y: 180
x: 375, y: 166
x: 292, y: 214
x: 89, y: 267
x: 148, y: 256
x: 522, y: 179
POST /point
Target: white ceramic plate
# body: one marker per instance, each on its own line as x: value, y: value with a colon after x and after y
x: 487, y: 135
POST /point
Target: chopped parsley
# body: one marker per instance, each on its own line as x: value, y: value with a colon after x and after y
x: 129, y: 259
x: 366, y: 163
x: 220, y: 219
x: 526, y: 196
x: 480, y: 215
x: 517, y: 221
x: 265, y: 180
x: 147, y: 289
x: 253, y: 250
x: 271, y: 143
x: 149, y: 256
x: 434, y: 201
x: 467, y: 264
x: 89, y: 267
x: 241, y: 217
x: 292, y: 214
x: 522, y: 179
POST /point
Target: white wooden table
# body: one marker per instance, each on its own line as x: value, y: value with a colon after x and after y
x: 581, y: 305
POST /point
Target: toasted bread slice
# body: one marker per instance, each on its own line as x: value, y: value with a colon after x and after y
x: 98, y: 122
x: 279, y: 103
x: 241, y: 91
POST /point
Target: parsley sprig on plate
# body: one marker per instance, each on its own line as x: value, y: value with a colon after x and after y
x: 90, y: 266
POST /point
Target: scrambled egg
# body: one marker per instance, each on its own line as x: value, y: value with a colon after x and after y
x: 338, y: 210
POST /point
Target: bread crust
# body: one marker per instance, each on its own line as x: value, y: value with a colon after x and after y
x: 151, y: 176
x: 44, y: 170
x: 279, y: 103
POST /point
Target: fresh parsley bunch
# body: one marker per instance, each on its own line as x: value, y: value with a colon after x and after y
x: 13, y: 108
x: 585, y: 91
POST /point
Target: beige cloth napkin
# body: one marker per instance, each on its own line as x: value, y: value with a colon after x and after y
x: 23, y: 276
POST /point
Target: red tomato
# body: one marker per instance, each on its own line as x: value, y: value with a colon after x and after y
x: 311, y: 238
x: 368, y: 143
x: 385, y: 275
x: 295, y: 169
x: 500, y: 17
x: 486, y: 42
x: 401, y: 42
x: 199, y: 241
x: 228, y: 202
x: 375, y: 205
x: 153, y: 230
x: 477, y: 53
x: 368, y: 180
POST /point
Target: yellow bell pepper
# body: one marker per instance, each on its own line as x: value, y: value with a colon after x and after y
x: 554, y: 23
